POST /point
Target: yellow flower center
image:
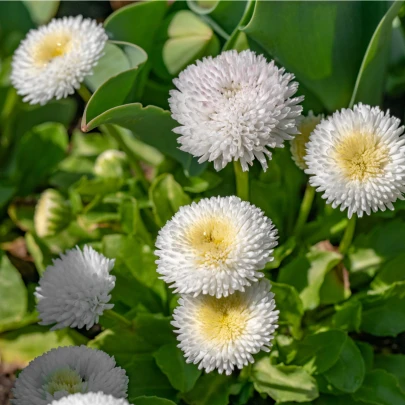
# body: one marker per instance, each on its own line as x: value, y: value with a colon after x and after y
x: 211, y: 239
x: 361, y: 156
x: 300, y: 141
x: 52, y: 46
x: 64, y: 380
x: 222, y: 320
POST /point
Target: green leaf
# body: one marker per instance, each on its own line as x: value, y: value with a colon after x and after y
x: 171, y: 361
x: 210, y: 389
x: 319, y: 352
x: 348, y: 316
x: 146, y: 379
x: 347, y: 374
x: 151, y: 125
x: 13, y: 302
x: 23, y: 345
x: 166, y: 196
x: 148, y: 334
x: 393, y: 364
x: 189, y: 39
x: 152, y: 401
x: 118, y: 57
x: 281, y: 252
x: 136, y: 23
x: 319, y: 58
x: 383, y: 311
x: 290, y: 306
x: 381, y: 388
x: 91, y: 145
x: 390, y: 272
x: 39, y: 251
x: 336, y: 286
x: 42, y: 11
x: 307, y: 273
x: 370, y: 80
x: 367, y: 351
x: 284, y: 383
x: 49, y: 141
x: 338, y: 400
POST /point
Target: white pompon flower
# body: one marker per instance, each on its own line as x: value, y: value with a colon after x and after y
x: 54, y: 59
x: 357, y: 158
x: 216, y: 246
x: 298, y: 144
x: 235, y: 106
x: 75, y: 290
x: 69, y: 370
x: 226, y: 332
x: 90, y: 398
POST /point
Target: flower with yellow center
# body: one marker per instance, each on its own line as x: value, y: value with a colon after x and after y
x: 225, y: 333
x: 216, y: 246
x: 69, y: 370
x: 357, y: 158
x: 298, y: 144
x: 53, y: 60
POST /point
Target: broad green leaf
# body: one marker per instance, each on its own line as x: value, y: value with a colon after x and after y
x: 146, y: 379
x: 336, y: 286
x: 42, y: 11
x: 284, y: 383
x: 49, y: 141
x: 114, y: 90
x: 319, y: 352
x: 370, y: 80
x: 348, y: 316
x: 148, y: 334
x: 393, y: 364
x: 383, y: 311
x: 210, y: 389
x: 320, y: 58
x: 290, y: 306
x: 118, y: 57
x: 152, y: 401
x: 172, y: 363
x: 381, y: 388
x: 39, y: 251
x: 23, y: 345
x: 367, y: 352
x: 307, y: 273
x: 22, y: 215
x: 167, y: 197
x: 347, y: 374
x: 151, y: 125
x: 136, y: 23
x: 390, y: 272
x: 339, y: 400
x: 91, y: 145
x: 189, y: 39
x: 13, y: 301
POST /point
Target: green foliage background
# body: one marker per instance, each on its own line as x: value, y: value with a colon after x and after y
x: 342, y: 318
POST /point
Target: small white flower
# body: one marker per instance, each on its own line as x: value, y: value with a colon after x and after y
x: 235, y: 106
x: 224, y: 333
x: 215, y: 246
x: 357, y: 157
x: 90, y: 398
x: 298, y: 144
x: 69, y: 370
x: 54, y: 59
x: 74, y: 291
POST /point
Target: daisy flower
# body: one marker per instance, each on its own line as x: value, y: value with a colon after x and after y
x: 75, y: 290
x: 236, y: 106
x: 69, y: 370
x: 305, y: 127
x: 226, y: 332
x: 90, y: 398
x: 216, y: 246
x: 357, y: 159
x: 53, y: 60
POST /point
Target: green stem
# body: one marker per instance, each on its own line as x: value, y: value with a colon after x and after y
x: 112, y: 131
x: 305, y: 209
x: 84, y: 93
x: 242, y: 181
x: 348, y: 235
x: 114, y: 316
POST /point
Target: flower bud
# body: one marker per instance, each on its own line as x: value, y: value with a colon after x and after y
x: 111, y: 163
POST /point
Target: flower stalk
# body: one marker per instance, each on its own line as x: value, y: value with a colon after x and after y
x: 348, y: 235
x: 242, y: 181
x: 305, y: 209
